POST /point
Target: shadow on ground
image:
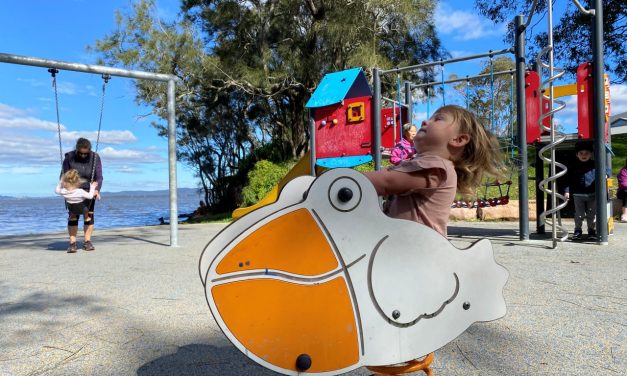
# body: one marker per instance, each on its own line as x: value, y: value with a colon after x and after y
x: 200, y: 359
x: 482, y: 232
x: 45, y: 303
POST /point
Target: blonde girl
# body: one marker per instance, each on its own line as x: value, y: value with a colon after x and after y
x: 453, y: 151
x: 77, y: 200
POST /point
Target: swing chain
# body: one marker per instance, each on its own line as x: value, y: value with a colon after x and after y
x: 53, y: 72
x: 105, y: 80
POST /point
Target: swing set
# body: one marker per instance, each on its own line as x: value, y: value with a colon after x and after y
x: 93, y: 156
x: 110, y: 71
x: 506, y: 138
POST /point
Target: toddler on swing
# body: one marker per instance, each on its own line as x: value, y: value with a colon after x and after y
x: 77, y: 200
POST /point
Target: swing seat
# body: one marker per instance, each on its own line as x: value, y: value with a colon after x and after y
x: 78, y: 209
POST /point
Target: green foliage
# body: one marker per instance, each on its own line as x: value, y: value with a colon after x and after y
x: 479, y: 96
x: 261, y: 179
x: 619, y: 147
x: 248, y: 68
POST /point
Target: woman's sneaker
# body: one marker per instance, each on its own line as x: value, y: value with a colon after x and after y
x: 623, y: 218
x: 71, y: 248
x: 88, y: 246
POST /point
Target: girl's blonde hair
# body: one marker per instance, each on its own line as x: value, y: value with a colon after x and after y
x: 72, y: 178
x: 480, y: 156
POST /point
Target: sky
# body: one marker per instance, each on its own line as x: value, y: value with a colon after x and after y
x: 134, y: 156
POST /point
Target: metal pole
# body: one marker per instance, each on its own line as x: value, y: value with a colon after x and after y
x: 312, y: 143
x: 442, y: 62
x: 466, y: 78
x: 552, y: 170
x: 540, y: 226
x: 600, y: 184
x: 521, y: 116
x: 376, y: 114
x: 174, y: 215
x: 408, y: 102
x: 98, y: 69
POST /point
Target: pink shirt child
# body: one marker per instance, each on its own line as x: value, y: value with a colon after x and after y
x: 431, y: 205
x: 402, y: 151
x: 622, y: 179
x: 76, y: 195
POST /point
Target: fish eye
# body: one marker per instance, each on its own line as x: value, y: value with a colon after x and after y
x: 344, y: 194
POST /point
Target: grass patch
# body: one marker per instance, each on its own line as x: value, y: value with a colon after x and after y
x: 210, y: 218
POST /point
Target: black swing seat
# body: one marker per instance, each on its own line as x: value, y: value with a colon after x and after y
x: 78, y: 208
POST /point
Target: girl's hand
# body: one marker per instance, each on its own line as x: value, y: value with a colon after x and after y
x: 97, y: 195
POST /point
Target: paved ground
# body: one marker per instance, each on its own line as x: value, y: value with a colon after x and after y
x: 136, y: 306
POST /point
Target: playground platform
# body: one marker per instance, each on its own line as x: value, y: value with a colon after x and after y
x: 136, y: 306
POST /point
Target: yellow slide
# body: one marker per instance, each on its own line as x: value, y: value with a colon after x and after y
x: 302, y: 167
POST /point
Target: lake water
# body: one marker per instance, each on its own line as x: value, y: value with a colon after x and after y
x: 36, y: 215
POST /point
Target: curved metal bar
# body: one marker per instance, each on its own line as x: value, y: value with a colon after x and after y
x: 587, y: 12
x: 548, y: 185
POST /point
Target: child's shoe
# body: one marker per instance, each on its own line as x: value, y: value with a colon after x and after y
x: 578, y: 234
x: 592, y: 235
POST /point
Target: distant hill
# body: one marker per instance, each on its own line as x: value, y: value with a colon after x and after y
x: 162, y: 192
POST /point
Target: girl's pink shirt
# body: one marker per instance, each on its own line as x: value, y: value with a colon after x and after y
x: 403, y: 150
x: 430, y: 206
x: 74, y: 196
x: 622, y: 179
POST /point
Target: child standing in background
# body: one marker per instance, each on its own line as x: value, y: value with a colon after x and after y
x: 77, y: 199
x: 453, y: 151
x: 622, y: 191
x: 404, y: 149
x: 581, y: 188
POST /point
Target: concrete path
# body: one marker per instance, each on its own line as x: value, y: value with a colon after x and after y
x: 136, y: 306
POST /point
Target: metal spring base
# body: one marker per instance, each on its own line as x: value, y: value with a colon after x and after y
x: 415, y: 365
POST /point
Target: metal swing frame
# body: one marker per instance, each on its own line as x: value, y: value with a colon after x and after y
x: 141, y: 75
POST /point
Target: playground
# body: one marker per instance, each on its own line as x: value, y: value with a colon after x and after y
x: 135, y: 307
x: 314, y: 278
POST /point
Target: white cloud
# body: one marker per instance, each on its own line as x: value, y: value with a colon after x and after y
x: 106, y: 137
x: 126, y: 169
x: 459, y: 53
x: 25, y: 150
x: 29, y: 123
x: 419, y: 117
x: 20, y: 170
x: 7, y: 111
x: 618, y: 98
x: 129, y: 156
x: 463, y: 25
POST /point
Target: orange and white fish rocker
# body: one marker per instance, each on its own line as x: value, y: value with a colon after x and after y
x: 322, y: 282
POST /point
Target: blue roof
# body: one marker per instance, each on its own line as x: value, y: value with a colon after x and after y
x: 338, y: 86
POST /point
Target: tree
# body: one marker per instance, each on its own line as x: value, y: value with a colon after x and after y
x: 571, y: 35
x: 478, y: 94
x: 249, y: 67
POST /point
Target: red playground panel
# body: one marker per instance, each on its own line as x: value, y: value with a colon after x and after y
x: 532, y: 107
x: 389, y: 136
x: 585, y: 102
x: 344, y: 129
